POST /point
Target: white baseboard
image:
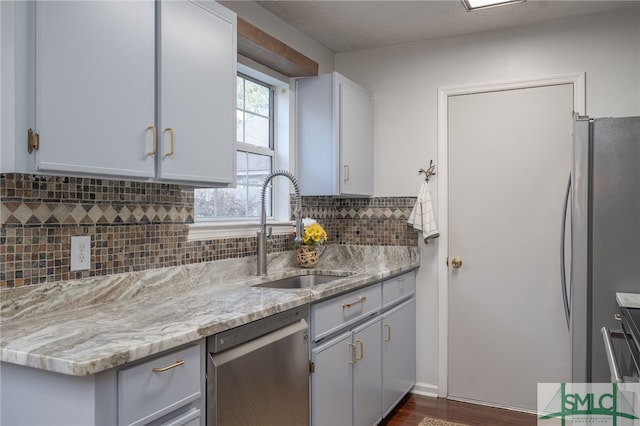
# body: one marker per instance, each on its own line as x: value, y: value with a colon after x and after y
x: 493, y: 405
x: 425, y: 389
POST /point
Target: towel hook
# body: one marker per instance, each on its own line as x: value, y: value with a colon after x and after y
x: 429, y: 172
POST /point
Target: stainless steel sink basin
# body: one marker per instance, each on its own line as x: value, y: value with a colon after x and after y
x: 301, y: 281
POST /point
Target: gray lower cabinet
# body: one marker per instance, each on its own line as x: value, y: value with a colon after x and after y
x: 363, y: 353
x: 347, y: 378
x: 165, y: 390
x: 398, y: 353
x: 332, y: 381
x: 133, y: 395
x: 367, y: 380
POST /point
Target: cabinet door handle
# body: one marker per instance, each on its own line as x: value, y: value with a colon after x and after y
x: 178, y: 363
x: 154, y: 134
x: 349, y: 305
x: 346, y: 173
x: 388, y: 337
x: 360, y: 343
x: 353, y: 354
x: 172, y: 135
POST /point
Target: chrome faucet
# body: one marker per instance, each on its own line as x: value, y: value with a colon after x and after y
x: 262, y: 231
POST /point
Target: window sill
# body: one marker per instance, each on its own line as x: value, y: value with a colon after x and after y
x: 215, y: 230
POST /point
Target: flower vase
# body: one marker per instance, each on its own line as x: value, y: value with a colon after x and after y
x: 307, y: 256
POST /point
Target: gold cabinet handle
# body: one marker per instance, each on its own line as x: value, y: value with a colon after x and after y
x: 346, y: 173
x: 172, y: 134
x: 388, y: 337
x: 178, y: 363
x: 33, y: 141
x: 353, y: 353
x: 456, y: 262
x: 360, y: 343
x: 154, y: 133
x: 349, y: 305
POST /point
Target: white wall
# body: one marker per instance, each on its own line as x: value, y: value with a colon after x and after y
x: 405, y: 79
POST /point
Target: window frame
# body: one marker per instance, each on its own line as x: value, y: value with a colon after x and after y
x: 282, y: 152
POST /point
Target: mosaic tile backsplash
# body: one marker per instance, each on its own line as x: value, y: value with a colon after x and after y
x: 138, y: 225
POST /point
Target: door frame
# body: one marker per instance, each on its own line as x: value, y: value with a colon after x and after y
x: 578, y: 81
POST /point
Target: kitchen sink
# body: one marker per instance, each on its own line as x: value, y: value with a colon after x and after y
x: 302, y: 281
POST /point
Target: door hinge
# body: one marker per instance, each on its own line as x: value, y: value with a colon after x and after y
x: 33, y: 141
x: 312, y: 367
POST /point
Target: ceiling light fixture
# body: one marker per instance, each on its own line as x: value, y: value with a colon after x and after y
x: 471, y: 5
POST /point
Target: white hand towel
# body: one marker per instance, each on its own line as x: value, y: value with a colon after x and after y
x: 422, y: 217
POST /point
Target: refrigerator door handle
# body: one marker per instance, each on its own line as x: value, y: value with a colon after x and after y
x: 563, y: 277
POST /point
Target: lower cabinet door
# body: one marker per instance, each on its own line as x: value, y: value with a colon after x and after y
x: 331, y: 382
x: 367, y: 374
x: 398, y: 353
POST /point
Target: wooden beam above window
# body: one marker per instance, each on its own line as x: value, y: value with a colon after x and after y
x: 267, y: 50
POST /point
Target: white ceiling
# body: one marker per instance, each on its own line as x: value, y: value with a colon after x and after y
x: 345, y: 26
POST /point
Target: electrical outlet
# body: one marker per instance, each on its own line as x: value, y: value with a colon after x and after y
x: 80, y: 253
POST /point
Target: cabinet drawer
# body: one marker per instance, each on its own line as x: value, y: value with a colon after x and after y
x: 330, y: 316
x: 398, y: 288
x: 144, y: 395
x: 190, y: 418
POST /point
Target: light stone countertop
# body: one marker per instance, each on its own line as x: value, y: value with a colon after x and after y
x: 86, y: 326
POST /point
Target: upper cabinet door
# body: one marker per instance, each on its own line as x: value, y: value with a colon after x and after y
x: 356, y: 140
x: 95, y: 89
x: 197, y: 92
x: 334, y: 136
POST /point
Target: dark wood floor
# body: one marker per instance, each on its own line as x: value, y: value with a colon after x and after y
x: 415, y: 407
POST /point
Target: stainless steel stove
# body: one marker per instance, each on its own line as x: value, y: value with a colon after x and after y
x: 623, y: 346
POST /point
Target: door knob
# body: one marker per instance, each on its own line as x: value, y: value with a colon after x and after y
x: 456, y: 262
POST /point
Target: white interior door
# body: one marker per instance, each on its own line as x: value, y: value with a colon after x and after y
x: 510, y: 155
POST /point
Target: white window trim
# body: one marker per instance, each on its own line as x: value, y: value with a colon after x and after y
x: 208, y: 230
x: 281, y: 225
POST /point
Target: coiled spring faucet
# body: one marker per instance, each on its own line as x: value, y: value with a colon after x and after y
x: 262, y: 231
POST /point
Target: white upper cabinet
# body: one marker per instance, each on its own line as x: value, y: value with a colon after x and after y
x: 334, y: 136
x: 120, y: 93
x: 197, y: 93
x: 95, y: 91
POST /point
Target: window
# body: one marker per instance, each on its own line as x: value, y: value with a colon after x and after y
x: 255, y: 158
x: 263, y: 130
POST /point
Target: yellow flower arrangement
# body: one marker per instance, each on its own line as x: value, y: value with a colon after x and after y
x: 314, y: 233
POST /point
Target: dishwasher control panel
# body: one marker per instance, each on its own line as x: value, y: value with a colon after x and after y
x: 244, y: 333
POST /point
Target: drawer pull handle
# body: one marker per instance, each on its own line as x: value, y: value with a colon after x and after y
x: 349, y: 305
x: 360, y: 343
x: 178, y: 363
x: 388, y: 337
x: 353, y: 353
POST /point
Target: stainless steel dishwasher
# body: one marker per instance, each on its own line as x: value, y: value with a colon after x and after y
x: 258, y: 373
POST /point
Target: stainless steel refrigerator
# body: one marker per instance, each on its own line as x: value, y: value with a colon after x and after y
x: 602, y: 235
